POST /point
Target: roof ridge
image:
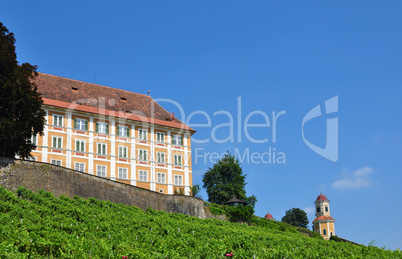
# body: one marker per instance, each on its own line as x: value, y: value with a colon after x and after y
x: 96, y: 84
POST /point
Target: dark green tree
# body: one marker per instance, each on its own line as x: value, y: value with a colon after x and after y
x: 21, y: 115
x: 225, y: 180
x: 296, y: 217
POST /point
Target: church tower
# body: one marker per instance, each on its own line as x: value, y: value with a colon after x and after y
x: 323, y: 224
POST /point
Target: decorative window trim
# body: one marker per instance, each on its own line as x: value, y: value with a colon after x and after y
x: 142, y: 134
x: 56, y: 162
x: 79, y: 167
x: 102, y: 127
x: 122, y: 131
x: 101, y: 170
x: 177, y: 140
x: 58, y: 120
x: 79, y: 145
x: 160, y: 137
x: 141, y: 174
x: 178, y: 179
x: 178, y: 160
x: 103, y: 150
x: 123, y: 152
x: 122, y: 173
x: 143, y: 155
x: 160, y: 157
x: 161, y: 178
x: 80, y: 124
x: 58, y: 144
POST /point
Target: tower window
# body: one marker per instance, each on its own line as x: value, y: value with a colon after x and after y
x: 318, y: 209
x: 326, y: 209
x: 324, y: 232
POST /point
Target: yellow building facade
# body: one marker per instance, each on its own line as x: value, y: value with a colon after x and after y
x: 112, y: 133
x: 323, y: 224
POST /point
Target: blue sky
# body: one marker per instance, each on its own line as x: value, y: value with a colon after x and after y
x: 272, y: 56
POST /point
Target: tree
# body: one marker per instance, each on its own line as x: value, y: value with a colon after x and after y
x: 296, y: 217
x: 226, y: 180
x: 195, y: 190
x: 21, y: 115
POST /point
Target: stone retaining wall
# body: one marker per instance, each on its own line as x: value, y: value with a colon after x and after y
x: 60, y: 180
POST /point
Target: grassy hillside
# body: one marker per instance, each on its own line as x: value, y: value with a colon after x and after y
x: 40, y: 225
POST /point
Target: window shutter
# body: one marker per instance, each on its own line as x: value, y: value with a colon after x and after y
x: 54, y: 142
x: 82, y: 146
x: 86, y: 125
x: 128, y: 132
x: 59, y: 146
x: 75, y: 123
x: 97, y: 127
x: 107, y: 128
x: 118, y: 130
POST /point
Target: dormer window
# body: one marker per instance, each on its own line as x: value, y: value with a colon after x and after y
x: 123, y: 98
x: 74, y: 88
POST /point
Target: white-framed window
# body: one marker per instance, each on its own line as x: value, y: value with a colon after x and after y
x: 177, y: 140
x: 122, y: 152
x: 79, y: 167
x: 143, y: 176
x: 57, y: 142
x: 160, y: 137
x: 123, y: 131
x: 80, y: 145
x: 161, y: 178
x: 57, y: 120
x: 55, y: 162
x: 31, y: 158
x: 143, y: 155
x: 102, y: 127
x: 142, y: 134
x: 101, y: 170
x: 178, y: 160
x: 34, y: 139
x: 81, y: 124
x: 101, y: 149
x: 160, y: 157
x: 178, y: 179
x: 123, y: 173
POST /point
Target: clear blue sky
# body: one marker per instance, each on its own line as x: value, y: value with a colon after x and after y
x: 274, y: 55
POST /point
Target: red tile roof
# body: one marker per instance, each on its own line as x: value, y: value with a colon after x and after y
x: 321, y: 198
x: 323, y: 218
x: 268, y: 216
x: 87, y: 97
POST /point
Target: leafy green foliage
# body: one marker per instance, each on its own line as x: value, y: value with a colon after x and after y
x: 226, y: 180
x: 296, y: 217
x: 36, y: 225
x: 195, y: 190
x: 21, y: 115
x: 241, y: 213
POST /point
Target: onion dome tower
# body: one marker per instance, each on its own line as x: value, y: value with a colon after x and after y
x: 323, y: 224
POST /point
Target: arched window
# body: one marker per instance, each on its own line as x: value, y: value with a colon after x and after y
x: 326, y: 209
x: 332, y: 234
x: 324, y: 232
